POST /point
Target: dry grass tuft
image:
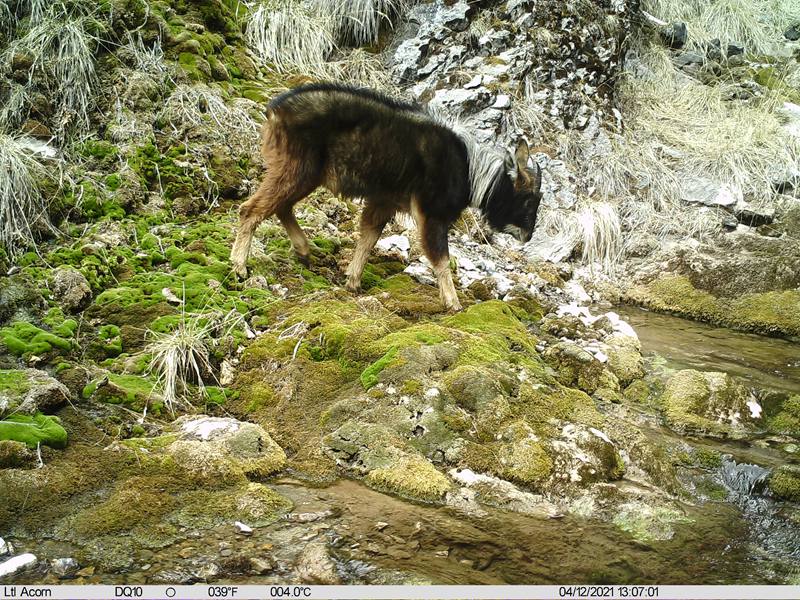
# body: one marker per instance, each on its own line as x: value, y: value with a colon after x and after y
x: 22, y: 209
x: 290, y: 37
x: 359, y: 21
x: 758, y: 24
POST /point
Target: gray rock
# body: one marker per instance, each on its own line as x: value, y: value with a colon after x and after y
x: 701, y: 190
x: 408, y: 57
x: 316, y: 566
x: 40, y: 393
x: 674, y: 35
x: 688, y: 58
x: 71, y: 289
x: 502, y: 102
x: 734, y: 49
x: 793, y: 33
x: 64, y: 568
x: 461, y: 100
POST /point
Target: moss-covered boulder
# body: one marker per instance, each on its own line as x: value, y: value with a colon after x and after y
x: 15, y: 454
x: 30, y: 391
x: 575, y: 366
x: 34, y: 430
x: 783, y: 414
x: 246, y: 445
x: 624, y: 357
x: 784, y: 483
x: 709, y: 403
x: 770, y: 312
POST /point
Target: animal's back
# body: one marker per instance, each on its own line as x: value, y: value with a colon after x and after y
x: 374, y: 145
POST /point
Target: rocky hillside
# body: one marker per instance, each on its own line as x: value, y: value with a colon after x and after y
x: 149, y: 399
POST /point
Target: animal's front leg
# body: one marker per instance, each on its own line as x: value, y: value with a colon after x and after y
x: 373, y: 220
x: 434, y: 243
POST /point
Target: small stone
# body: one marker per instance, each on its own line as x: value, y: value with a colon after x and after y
x: 381, y: 525
x: 71, y: 289
x: 316, y: 566
x: 5, y: 547
x: 674, y: 35
x: 243, y: 529
x: 17, y: 564
x: 261, y: 566
x: 226, y: 552
x: 502, y: 102
x: 64, y: 568
x: 601, y: 356
x: 473, y: 83
x: 170, y: 297
x: 85, y: 572
x: 734, y: 49
x: 793, y: 33
x: 688, y: 58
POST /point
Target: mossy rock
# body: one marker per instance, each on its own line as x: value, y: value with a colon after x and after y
x: 411, y: 477
x: 785, y: 418
x: 15, y: 455
x: 30, y: 391
x: 624, y: 358
x: 770, y: 313
x: 134, y: 391
x: 712, y: 404
x: 34, y: 430
x: 575, y: 366
x: 784, y: 483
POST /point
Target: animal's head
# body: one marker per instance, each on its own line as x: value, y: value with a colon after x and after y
x: 515, y: 197
x: 515, y: 200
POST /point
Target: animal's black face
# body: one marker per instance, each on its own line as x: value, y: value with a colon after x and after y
x: 521, y: 193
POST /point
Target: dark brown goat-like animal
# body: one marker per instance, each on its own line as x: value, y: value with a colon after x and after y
x: 395, y: 156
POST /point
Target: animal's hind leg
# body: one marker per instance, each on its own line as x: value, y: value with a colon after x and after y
x: 433, y: 233
x: 285, y: 184
x: 296, y: 234
x: 373, y: 219
x: 257, y: 208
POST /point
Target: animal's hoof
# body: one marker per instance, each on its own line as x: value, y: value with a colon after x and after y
x: 456, y: 307
x: 352, y: 287
x: 240, y: 271
x: 305, y: 259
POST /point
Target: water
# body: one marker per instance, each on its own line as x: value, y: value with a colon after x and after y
x: 375, y: 538
x: 761, y: 361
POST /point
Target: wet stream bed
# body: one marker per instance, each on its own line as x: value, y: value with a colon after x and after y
x: 349, y: 533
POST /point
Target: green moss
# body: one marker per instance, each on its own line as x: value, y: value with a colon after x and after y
x: 771, y: 313
x: 35, y: 430
x: 410, y: 477
x: 98, y: 149
x: 785, y: 483
x: 23, y: 339
x: 134, y: 503
x: 369, y: 376
x: 708, y: 458
x: 109, y: 341
x: 219, y: 396
x: 14, y: 383
x: 787, y: 419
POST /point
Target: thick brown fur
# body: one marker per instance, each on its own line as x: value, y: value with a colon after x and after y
x: 396, y: 157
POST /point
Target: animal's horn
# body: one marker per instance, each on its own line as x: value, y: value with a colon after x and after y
x: 537, y: 179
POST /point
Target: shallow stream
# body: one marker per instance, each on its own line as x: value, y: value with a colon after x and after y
x: 740, y: 536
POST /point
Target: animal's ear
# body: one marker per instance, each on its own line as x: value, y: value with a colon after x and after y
x: 510, y: 165
x: 521, y: 156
